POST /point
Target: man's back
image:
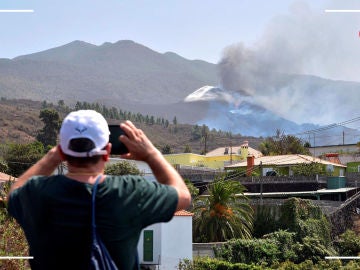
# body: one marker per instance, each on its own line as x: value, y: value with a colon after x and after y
x: 57, y: 218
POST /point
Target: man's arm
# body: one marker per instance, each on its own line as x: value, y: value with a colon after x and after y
x: 45, y: 166
x: 141, y: 148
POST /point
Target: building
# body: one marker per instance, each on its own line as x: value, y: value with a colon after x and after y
x: 352, y: 161
x: 164, y: 245
x: 215, y: 159
x: 342, y: 148
x: 283, y: 164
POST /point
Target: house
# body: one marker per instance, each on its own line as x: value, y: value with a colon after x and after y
x: 283, y: 164
x: 342, y: 148
x: 352, y: 161
x: 164, y: 245
x: 215, y: 159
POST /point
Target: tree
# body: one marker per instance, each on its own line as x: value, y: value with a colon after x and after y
x: 205, y: 135
x: 281, y: 144
x: 122, y: 168
x: 48, y: 134
x: 310, y: 169
x: 196, y: 133
x: 224, y: 214
x: 194, y: 191
x: 187, y: 149
x: 166, y: 149
x: 20, y: 157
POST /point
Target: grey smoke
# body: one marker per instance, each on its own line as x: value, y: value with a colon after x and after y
x: 305, y: 41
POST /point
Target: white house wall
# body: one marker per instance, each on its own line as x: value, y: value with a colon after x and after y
x: 177, y: 242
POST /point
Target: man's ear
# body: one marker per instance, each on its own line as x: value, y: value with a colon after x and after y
x: 62, y: 155
x: 108, y: 150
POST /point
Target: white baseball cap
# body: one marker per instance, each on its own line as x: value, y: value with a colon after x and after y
x: 84, y: 124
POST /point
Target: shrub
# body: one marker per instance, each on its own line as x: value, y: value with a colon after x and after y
x: 348, y: 244
x: 12, y: 243
x: 215, y: 264
x: 122, y: 168
x: 286, y: 244
x: 249, y: 251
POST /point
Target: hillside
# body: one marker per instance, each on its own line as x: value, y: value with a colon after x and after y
x: 113, y: 74
x: 20, y: 123
x: 133, y: 77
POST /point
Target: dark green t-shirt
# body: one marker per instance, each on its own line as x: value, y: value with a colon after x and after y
x: 55, y: 214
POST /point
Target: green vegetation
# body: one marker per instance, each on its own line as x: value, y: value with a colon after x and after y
x: 281, y: 144
x: 122, y: 168
x: 216, y: 264
x: 224, y: 214
x: 48, y: 134
x: 310, y: 169
x: 194, y: 191
x: 12, y: 243
x: 21, y: 124
x: 19, y: 157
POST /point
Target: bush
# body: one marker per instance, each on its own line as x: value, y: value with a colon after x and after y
x: 311, y: 248
x: 305, y: 219
x: 122, y: 168
x: 249, y: 251
x: 215, y: 264
x: 348, y: 244
x: 20, y: 157
x: 12, y: 243
x: 286, y: 244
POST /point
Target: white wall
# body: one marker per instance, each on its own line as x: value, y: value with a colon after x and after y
x: 172, y: 242
x: 176, y: 242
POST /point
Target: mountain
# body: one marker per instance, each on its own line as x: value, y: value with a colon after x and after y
x: 135, y: 78
x: 230, y: 111
x: 113, y: 74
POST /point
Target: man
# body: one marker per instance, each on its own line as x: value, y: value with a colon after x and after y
x: 55, y: 210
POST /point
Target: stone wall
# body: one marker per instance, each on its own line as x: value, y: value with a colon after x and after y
x: 342, y: 218
x: 205, y: 249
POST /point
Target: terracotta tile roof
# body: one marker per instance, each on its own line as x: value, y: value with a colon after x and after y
x: 183, y: 213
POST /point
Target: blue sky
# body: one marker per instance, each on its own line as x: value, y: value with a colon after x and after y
x: 195, y: 29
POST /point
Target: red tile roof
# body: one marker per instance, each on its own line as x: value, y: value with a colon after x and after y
x: 183, y: 213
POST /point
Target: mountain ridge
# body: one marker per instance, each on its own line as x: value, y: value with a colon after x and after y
x: 132, y: 76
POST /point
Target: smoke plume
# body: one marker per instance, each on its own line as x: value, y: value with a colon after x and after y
x: 307, y: 42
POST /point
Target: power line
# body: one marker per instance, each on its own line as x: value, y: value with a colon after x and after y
x: 329, y: 126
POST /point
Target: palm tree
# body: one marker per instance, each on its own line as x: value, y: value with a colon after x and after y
x: 223, y: 214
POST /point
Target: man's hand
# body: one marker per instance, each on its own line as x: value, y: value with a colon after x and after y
x: 141, y: 148
x: 138, y: 144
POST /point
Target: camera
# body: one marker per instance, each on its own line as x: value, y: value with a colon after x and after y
x: 118, y: 148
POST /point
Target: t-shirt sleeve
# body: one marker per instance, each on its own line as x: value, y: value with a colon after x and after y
x: 157, y: 202
x: 14, y: 205
x: 21, y: 199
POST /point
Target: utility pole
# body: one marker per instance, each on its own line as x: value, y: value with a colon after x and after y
x: 314, y: 145
x: 231, y: 149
